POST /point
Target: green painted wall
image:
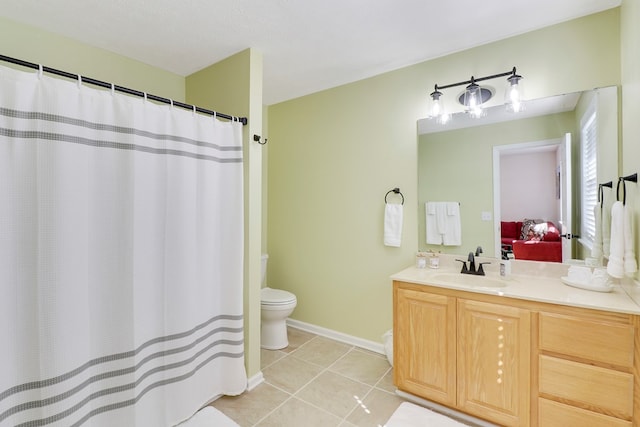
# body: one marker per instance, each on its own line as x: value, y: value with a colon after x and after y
x: 630, y: 152
x: 52, y: 50
x: 333, y: 155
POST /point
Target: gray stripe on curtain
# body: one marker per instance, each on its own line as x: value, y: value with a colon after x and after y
x: 130, y: 370
x: 36, y: 115
x: 110, y: 144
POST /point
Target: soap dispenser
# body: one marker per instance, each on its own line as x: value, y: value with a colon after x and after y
x: 505, y: 265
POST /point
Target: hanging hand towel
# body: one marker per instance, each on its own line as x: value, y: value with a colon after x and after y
x: 443, y: 223
x: 392, y: 224
x: 453, y: 233
x: 434, y: 237
x: 615, y: 266
x: 596, y: 249
x: 630, y: 264
x: 606, y: 232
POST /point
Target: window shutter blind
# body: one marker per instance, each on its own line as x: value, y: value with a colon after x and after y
x: 589, y: 181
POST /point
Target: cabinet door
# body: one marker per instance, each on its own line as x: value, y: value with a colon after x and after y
x: 494, y: 362
x: 425, y: 345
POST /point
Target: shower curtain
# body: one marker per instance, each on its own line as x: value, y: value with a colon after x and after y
x: 121, y: 242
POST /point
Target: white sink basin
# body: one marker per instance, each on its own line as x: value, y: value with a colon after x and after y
x: 470, y: 280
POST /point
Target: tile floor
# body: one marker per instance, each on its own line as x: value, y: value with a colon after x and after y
x: 317, y: 382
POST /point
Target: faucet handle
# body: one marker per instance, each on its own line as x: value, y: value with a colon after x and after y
x: 464, y: 265
x: 480, y: 269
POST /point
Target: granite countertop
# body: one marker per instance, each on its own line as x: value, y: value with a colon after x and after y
x: 529, y: 281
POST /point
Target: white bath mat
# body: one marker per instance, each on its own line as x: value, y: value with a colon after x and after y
x: 410, y: 415
x: 209, y: 417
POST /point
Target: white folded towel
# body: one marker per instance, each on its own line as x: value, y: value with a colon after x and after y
x: 443, y: 223
x: 453, y: 233
x: 615, y: 266
x: 441, y: 217
x: 392, y: 224
x: 434, y: 237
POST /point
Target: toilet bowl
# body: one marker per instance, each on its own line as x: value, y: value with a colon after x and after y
x: 275, y: 306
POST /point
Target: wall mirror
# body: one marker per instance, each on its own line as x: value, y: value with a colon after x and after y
x: 506, y: 167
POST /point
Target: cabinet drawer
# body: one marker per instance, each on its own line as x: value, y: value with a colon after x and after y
x: 552, y: 414
x: 588, y: 386
x: 599, y: 341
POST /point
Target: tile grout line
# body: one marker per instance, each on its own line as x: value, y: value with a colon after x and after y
x: 369, y: 386
x: 358, y: 404
x: 292, y: 395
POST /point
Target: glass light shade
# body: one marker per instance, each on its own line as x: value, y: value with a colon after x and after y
x: 473, y: 100
x: 437, y: 106
x: 513, y: 93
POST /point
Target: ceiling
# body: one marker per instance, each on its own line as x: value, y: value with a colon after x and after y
x: 307, y: 46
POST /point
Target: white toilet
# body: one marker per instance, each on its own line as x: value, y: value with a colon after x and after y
x: 275, y: 306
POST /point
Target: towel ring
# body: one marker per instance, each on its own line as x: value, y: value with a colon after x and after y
x: 601, y: 191
x: 396, y: 191
x: 623, y: 179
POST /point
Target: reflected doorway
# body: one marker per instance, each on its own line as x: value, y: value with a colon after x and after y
x: 532, y: 181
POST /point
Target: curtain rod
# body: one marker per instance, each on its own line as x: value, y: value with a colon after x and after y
x: 128, y: 91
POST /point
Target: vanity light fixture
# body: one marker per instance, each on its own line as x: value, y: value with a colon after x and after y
x: 475, y: 95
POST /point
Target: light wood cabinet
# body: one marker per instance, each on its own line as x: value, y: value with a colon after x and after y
x: 468, y: 355
x: 586, y: 369
x: 493, y: 361
x: 425, y: 345
x: 517, y: 362
x: 555, y: 414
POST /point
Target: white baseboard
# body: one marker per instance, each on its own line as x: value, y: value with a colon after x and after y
x: 255, y: 381
x: 338, y: 336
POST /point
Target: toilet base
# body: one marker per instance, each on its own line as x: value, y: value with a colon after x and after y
x: 273, y: 334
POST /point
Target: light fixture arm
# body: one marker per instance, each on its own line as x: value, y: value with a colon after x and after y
x: 479, y: 79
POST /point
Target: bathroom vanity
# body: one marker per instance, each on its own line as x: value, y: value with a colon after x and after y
x: 525, y: 350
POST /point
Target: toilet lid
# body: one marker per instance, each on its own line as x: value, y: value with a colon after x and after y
x: 276, y: 296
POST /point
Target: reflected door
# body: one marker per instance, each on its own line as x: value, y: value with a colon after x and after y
x: 564, y: 188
